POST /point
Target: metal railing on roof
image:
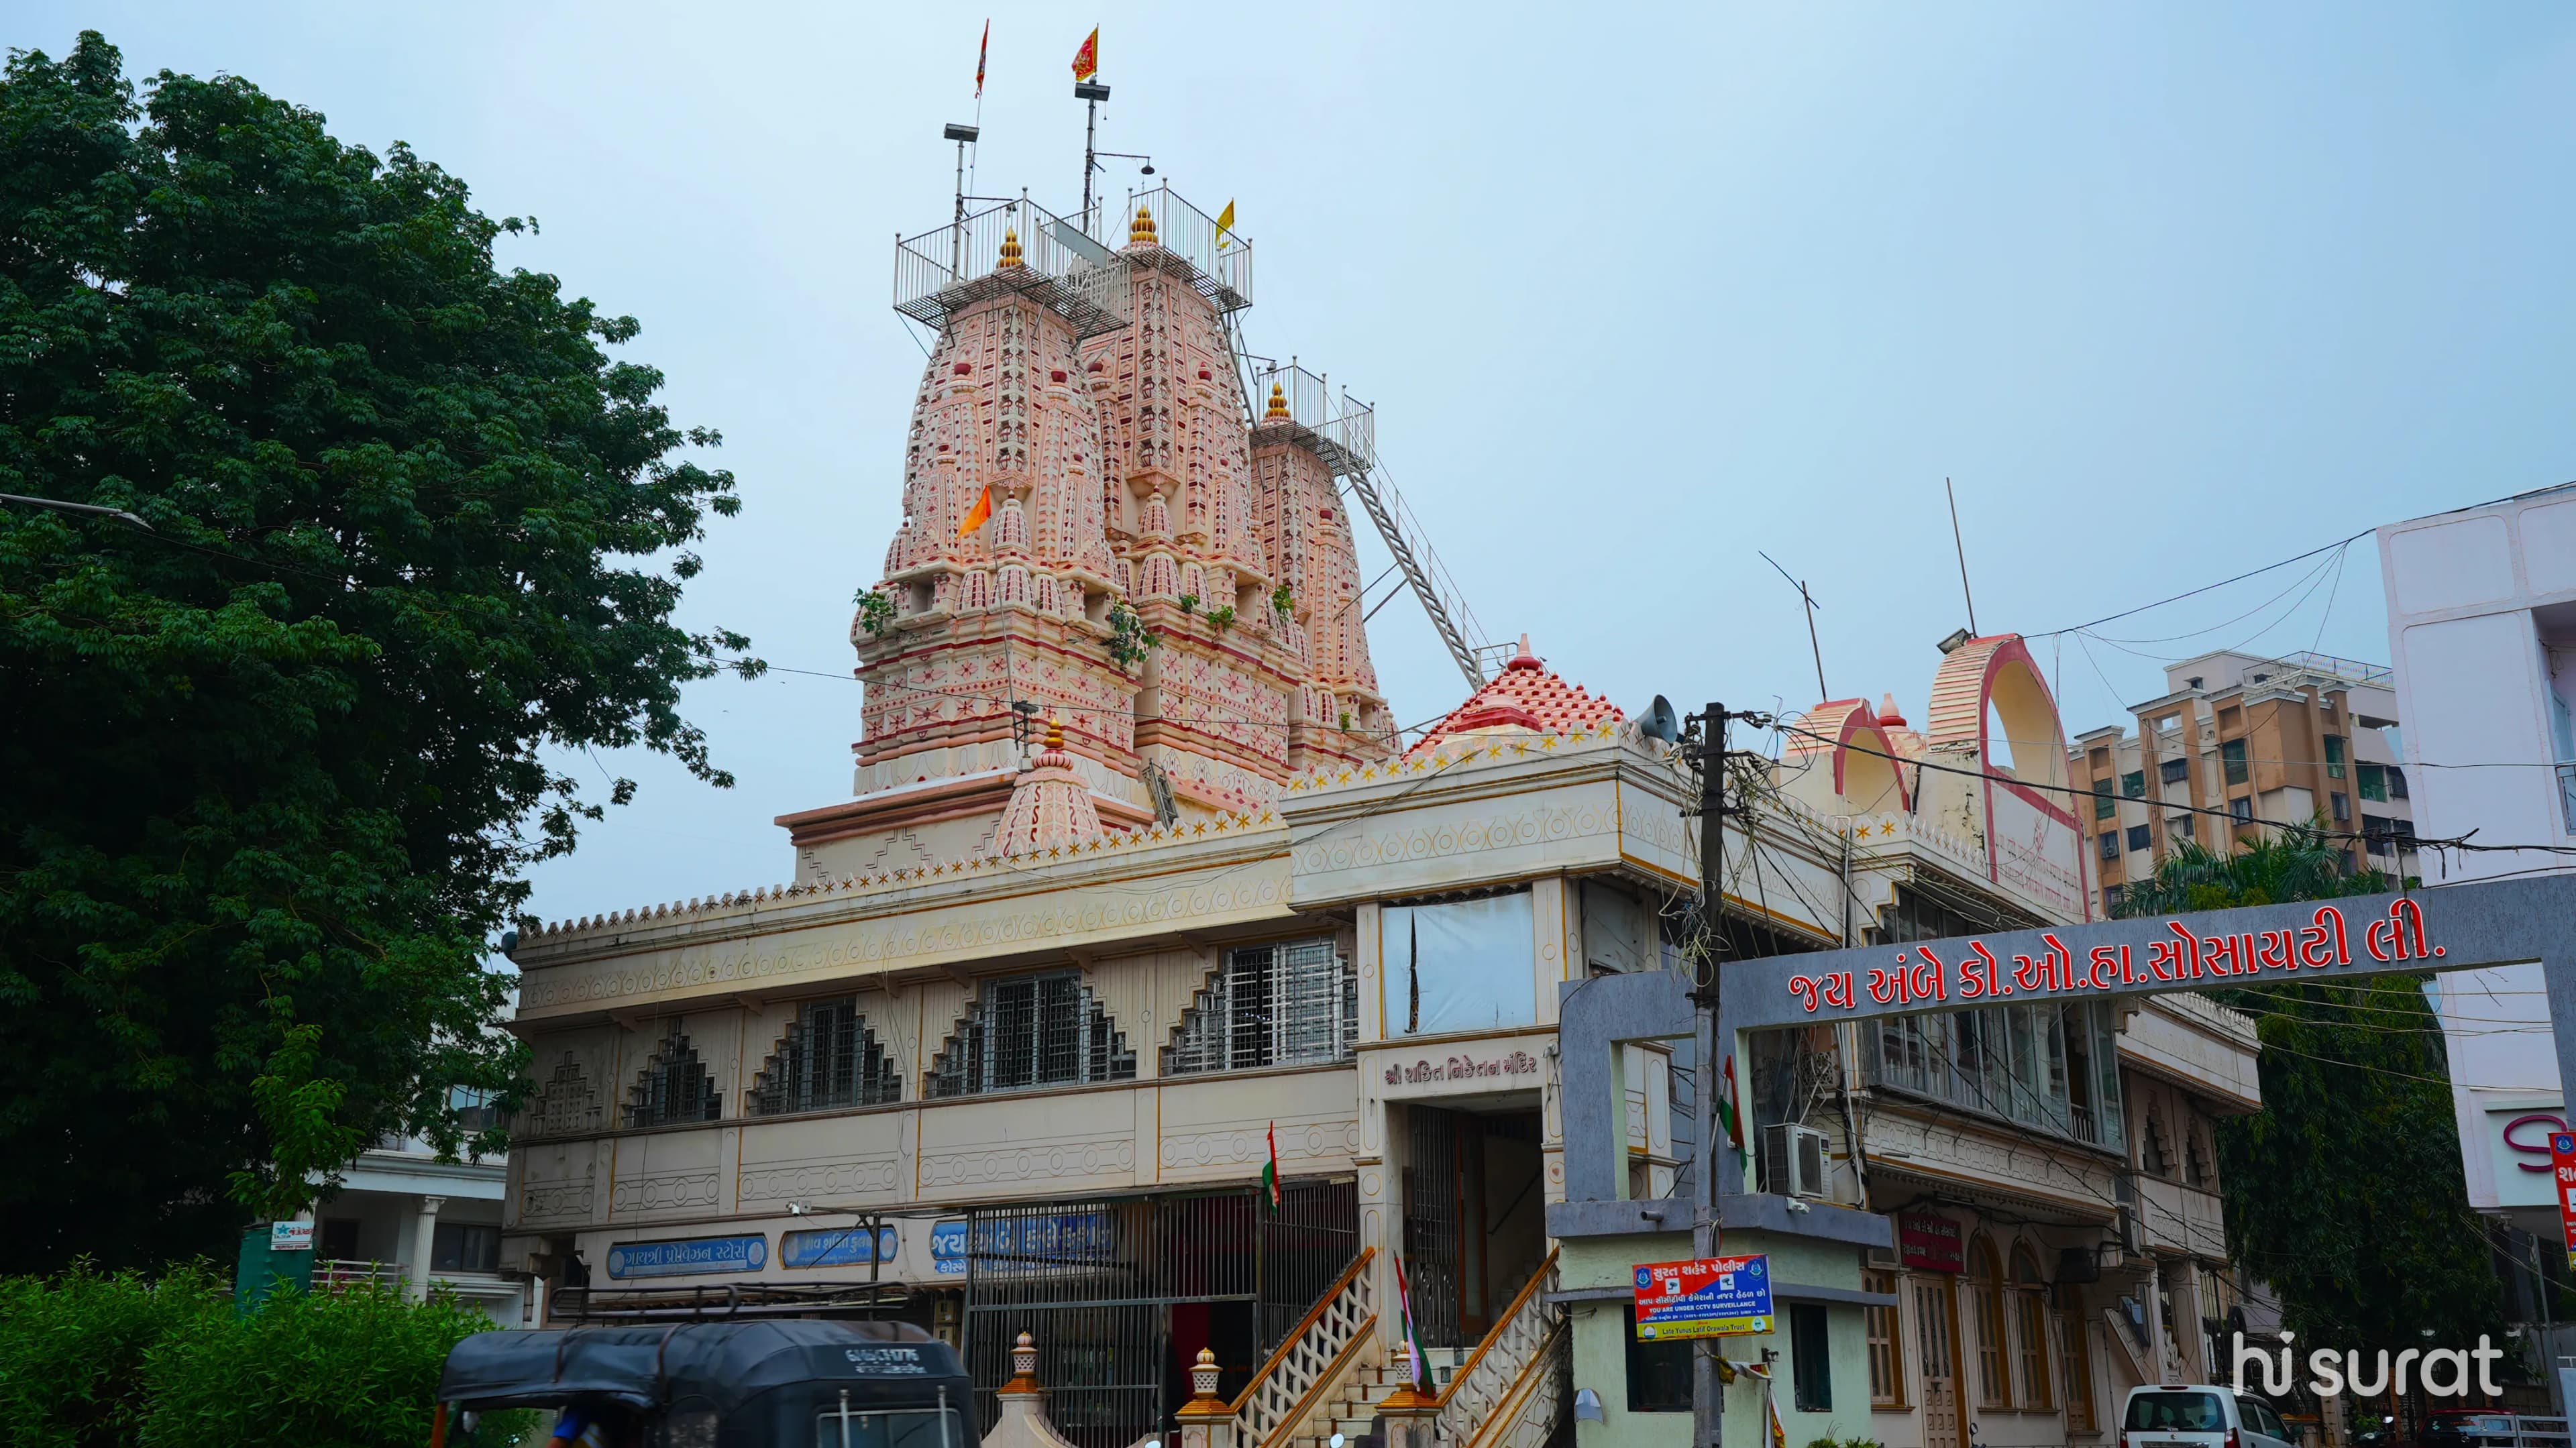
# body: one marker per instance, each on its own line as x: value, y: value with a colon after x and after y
x: 940, y: 273
x: 2352, y: 669
x: 1343, y: 430
x: 1220, y: 261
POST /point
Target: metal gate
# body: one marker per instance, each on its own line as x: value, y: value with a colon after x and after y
x: 1433, y: 1238
x: 1095, y: 1283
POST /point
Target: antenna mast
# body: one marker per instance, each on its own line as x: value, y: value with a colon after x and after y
x: 1962, y: 547
x: 1809, y: 599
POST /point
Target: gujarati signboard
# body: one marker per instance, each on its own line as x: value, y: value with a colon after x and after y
x: 1705, y: 1297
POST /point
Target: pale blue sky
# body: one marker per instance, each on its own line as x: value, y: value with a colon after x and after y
x: 2170, y: 291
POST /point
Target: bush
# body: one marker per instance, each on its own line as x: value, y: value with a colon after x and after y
x: 356, y: 1367
x: 125, y: 1361
x: 72, y: 1349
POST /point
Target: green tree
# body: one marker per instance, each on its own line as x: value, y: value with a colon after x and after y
x: 2345, y: 1191
x: 277, y: 758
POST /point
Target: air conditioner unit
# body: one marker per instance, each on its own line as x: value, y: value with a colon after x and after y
x: 1793, y: 1160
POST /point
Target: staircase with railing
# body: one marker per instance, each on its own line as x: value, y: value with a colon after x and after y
x: 1330, y: 1377
x: 1506, y: 1394
x: 1305, y: 1377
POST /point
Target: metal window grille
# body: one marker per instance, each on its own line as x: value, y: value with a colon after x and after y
x: 1270, y: 1005
x: 568, y: 1106
x: 1036, y: 1030
x: 828, y: 1058
x: 675, y: 1086
x: 1095, y: 1283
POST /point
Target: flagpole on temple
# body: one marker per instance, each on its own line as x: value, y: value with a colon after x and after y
x: 1086, y: 65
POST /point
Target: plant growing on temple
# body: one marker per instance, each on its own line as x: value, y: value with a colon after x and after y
x: 876, y: 611
x: 1282, y: 601
x: 1189, y: 603
x: 2345, y: 1191
x: 1129, y: 638
x: 278, y: 756
x: 1223, y: 618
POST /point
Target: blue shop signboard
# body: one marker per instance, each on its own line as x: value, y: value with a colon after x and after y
x: 835, y: 1247
x: 1009, y: 1244
x: 688, y: 1256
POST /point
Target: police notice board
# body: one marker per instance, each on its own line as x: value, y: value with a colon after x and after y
x: 1704, y: 1297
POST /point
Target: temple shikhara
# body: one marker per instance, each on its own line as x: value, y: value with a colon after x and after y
x: 1139, y: 894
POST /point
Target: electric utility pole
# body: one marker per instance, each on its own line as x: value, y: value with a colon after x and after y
x: 1708, y: 1402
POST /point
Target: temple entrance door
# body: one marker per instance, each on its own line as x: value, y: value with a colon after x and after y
x: 1934, y: 1330
x: 1474, y: 1218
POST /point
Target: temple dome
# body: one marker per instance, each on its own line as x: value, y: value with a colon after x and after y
x: 1525, y: 698
x: 1051, y: 807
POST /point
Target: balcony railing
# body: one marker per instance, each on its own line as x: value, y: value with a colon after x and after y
x: 944, y: 271
x: 1342, y: 430
x: 1220, y: 261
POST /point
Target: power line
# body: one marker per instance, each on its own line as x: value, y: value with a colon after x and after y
x: 2206, y: 587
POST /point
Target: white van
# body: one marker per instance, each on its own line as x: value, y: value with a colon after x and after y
x: 2198, y: 1415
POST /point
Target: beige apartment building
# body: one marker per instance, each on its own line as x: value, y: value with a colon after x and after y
x: 2239, y: 745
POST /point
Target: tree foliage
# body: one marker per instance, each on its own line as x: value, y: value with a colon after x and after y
x: 2345, y: 1191
x: 276, y: 760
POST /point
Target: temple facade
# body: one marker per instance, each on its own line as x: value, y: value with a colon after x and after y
x: 1153, y: 996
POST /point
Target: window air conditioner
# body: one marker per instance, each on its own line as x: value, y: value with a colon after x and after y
x: 1793, y: 1160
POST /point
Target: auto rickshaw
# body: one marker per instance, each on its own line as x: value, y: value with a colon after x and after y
x: 768, y: 1383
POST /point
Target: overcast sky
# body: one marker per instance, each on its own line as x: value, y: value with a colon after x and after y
x: 2170, y: 292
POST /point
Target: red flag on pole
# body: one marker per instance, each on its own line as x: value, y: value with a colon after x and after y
x: 1086, y: 61
x: 982, y: 51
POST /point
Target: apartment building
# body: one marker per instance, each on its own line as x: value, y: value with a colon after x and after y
x: 2482, y: 624
x: 2238, y: 746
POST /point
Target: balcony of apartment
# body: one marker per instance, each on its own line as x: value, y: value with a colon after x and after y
x: 2174, y: 1218
x: 2049, y: 1069
x: 496, y: 1294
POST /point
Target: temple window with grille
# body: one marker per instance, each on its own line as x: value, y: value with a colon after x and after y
x: 828, y: 1058
x: 1290, y: 1004
x: 566, y: 1106
x: 1033, y: 1030
x: 673, y: 1087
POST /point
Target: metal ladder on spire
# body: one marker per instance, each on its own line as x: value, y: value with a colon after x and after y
x: 1355, y: 463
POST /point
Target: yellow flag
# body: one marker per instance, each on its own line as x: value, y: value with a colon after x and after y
x: 1224, y: 223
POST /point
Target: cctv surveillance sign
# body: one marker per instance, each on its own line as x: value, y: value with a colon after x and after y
x: 1705, y: 1297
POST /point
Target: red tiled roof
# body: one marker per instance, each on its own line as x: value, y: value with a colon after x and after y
x: 1525, y: 695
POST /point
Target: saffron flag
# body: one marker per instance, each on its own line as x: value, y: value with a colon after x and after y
x: 982, y: 51
x: 976, y: 515
x: 1224, y: 223
x: 1086, y: 61
x: 1270, y: 1171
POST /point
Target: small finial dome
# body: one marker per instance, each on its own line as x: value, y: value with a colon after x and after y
x: 1888, y: 717
x: 1141, y: 231
x: 1054, y: 734
x: 1278, y: 404
x: 1011, y: 249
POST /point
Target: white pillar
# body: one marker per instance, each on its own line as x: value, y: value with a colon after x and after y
x: 424, y: 1236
